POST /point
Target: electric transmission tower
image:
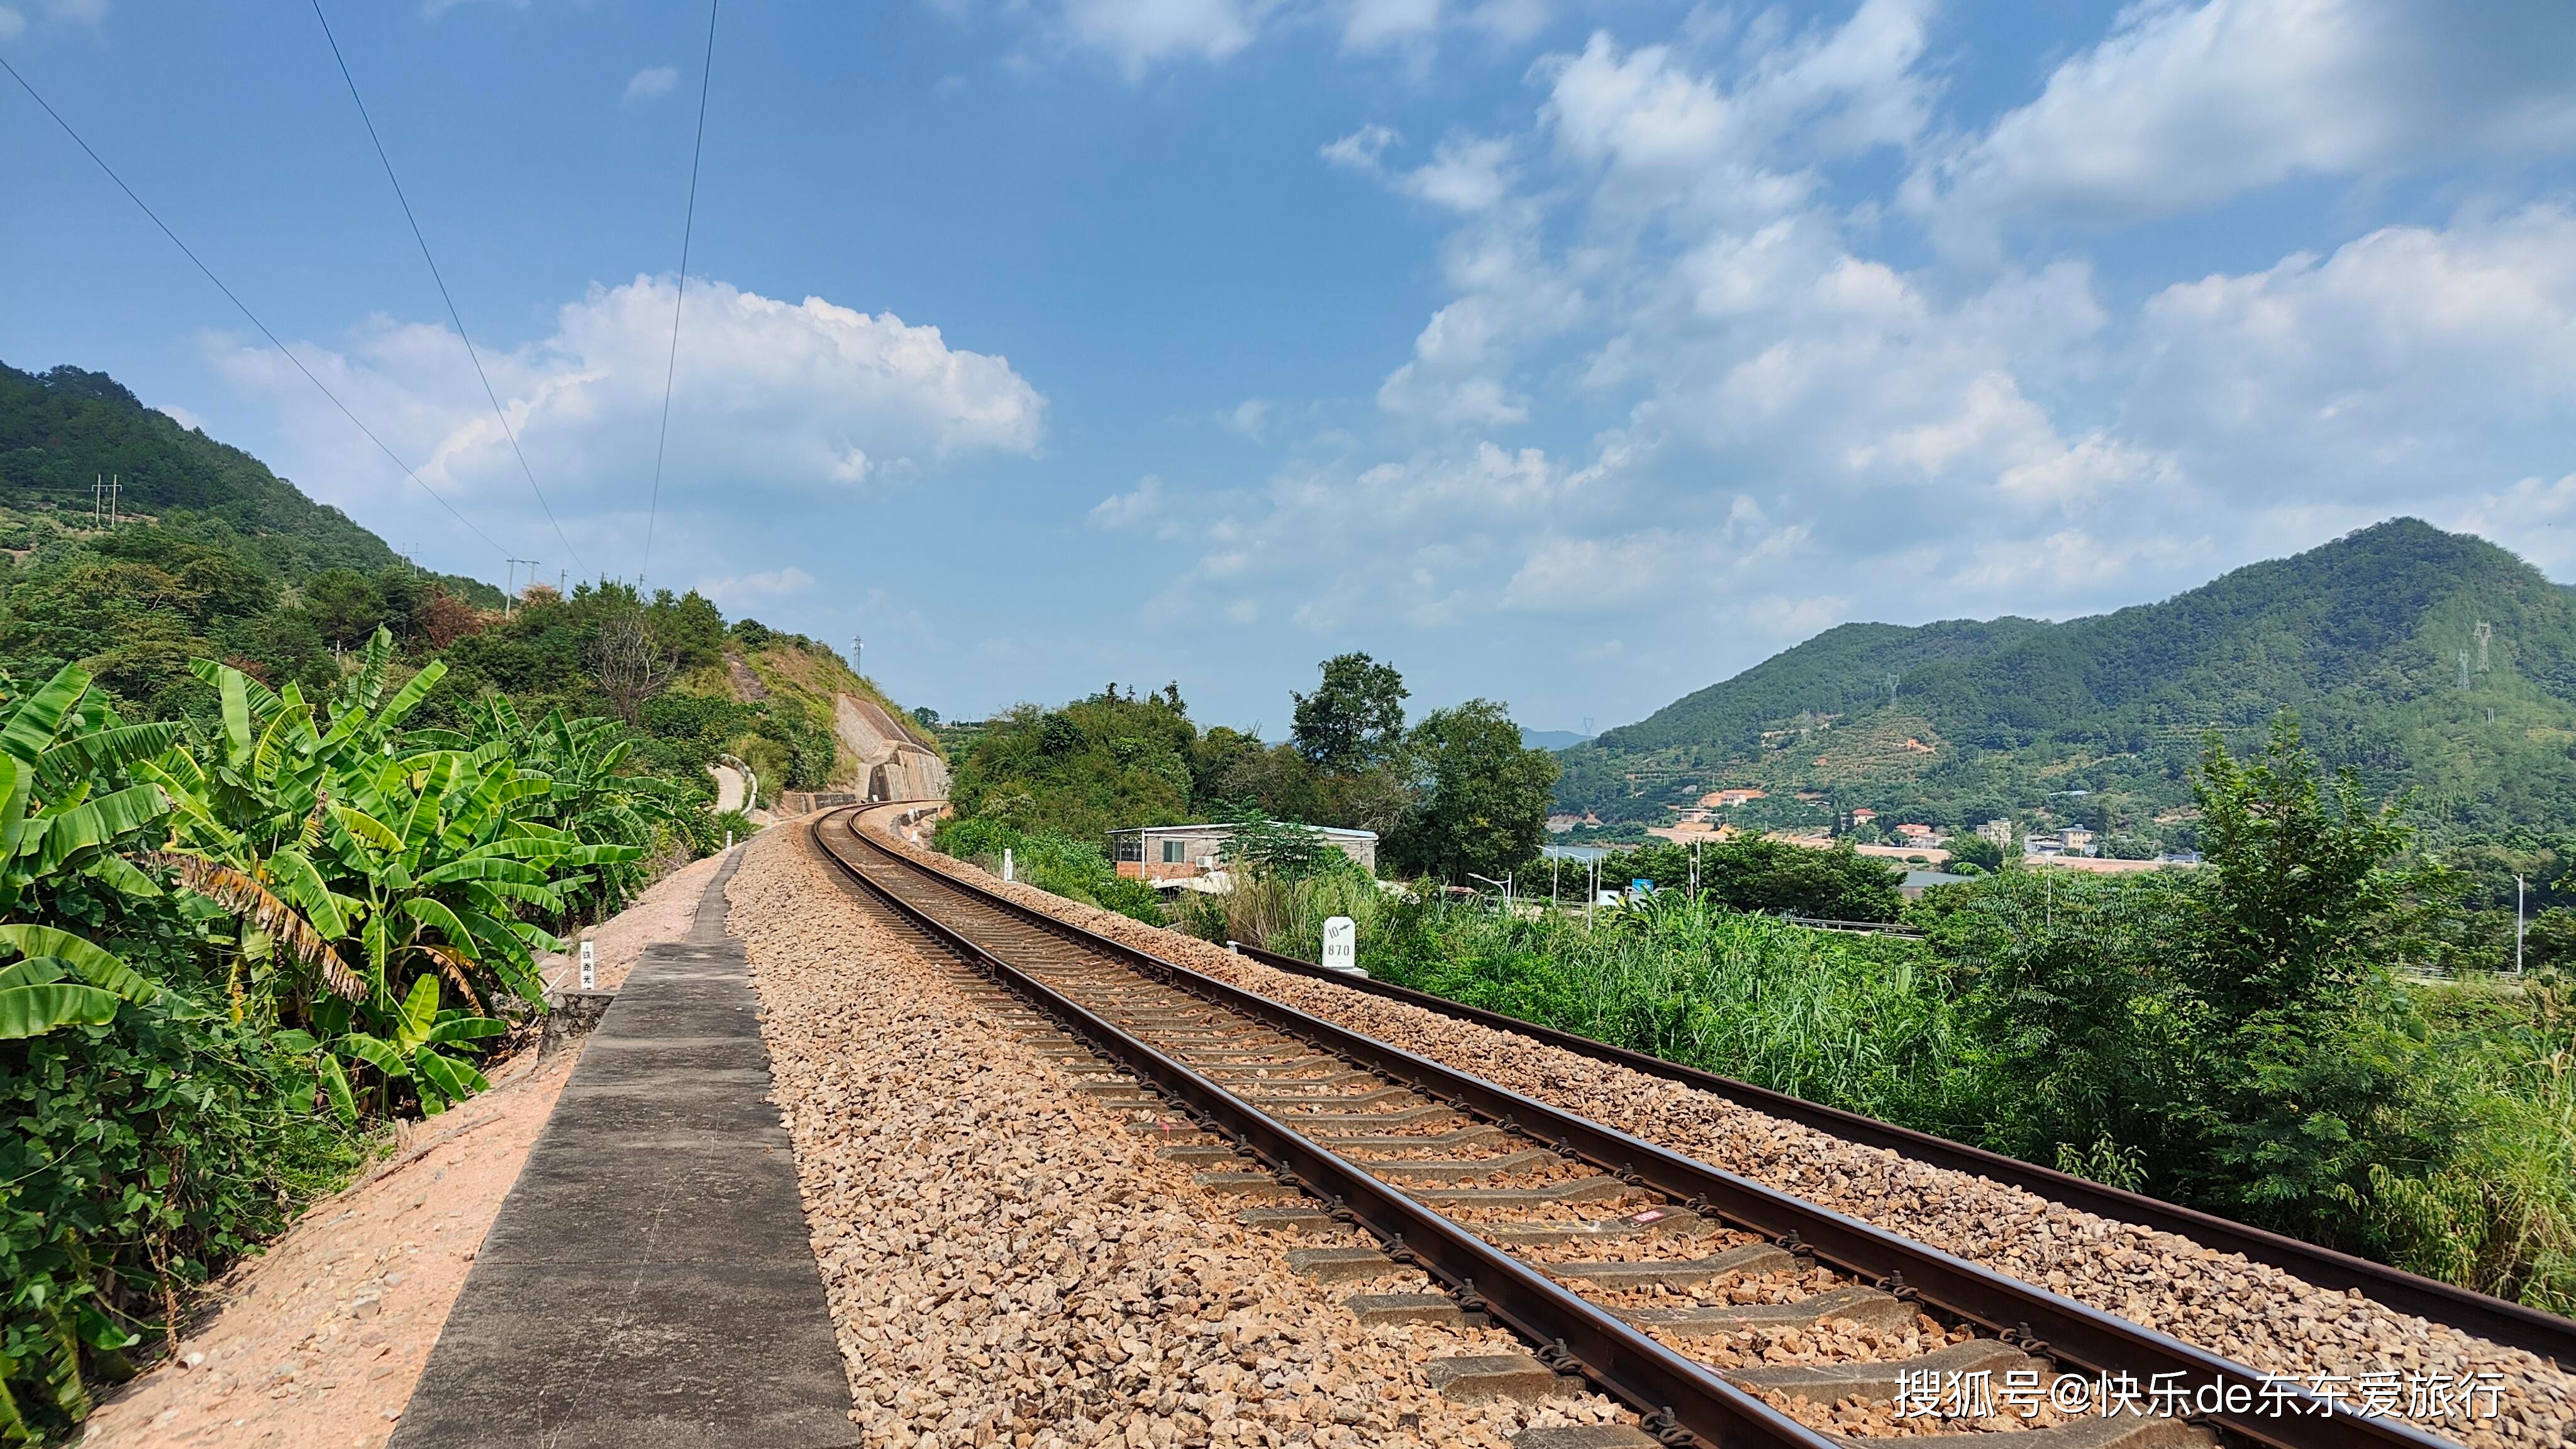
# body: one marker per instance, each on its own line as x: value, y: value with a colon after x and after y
x: 2486, y: 632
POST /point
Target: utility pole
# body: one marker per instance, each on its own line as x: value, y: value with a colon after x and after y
x: 2517, y: 924
x: 97, y: 501
x: 115, y: 481
x: 509, y: 593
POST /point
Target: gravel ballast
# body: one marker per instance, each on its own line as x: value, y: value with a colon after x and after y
x: 2253, y: 1313
x: 1008, y: 1264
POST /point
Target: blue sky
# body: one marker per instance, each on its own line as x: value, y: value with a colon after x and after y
x: 1575, y: 356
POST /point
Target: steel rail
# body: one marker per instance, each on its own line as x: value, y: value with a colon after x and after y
x: 2036, y: 1318
x: 1671, y: 1391
x: 2495, y: 1319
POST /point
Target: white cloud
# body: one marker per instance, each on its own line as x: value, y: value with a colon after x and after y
x: 776, y: 405
x: 1250, y: 417
x: 1147, y: 505
x: 1829, y: 92
x: 1359, y: 151
x: 1376, y: 24
x: 1465, y: 174
x: 1509, y: 22
x: 2182, y: 106
x: 737, y: 591
x: 92, y: 13
x: 182, y: 416
x: 2401, y: 364
x: 1141, y: 33
x: 650, y: 83
x: 2534, y: 518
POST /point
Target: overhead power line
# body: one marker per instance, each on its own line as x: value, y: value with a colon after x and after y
x: 688, y: 225
x: 408, y: 471
x: 452, y: 314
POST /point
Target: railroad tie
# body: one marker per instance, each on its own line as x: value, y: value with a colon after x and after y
x: 1473, y: 1377
x: 1866, y: 1306
x: 1743, y: 1262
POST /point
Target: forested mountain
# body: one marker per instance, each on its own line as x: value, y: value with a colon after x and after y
x: 60, y: 430
x: 2097, y: 720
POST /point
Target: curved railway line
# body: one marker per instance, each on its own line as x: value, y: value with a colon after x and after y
x: 1639, y: 1269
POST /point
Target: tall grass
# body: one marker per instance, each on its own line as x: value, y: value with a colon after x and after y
x: 1857, y: 1022
x: 1287, y: 913
x: 1062, y: 864
x: 2500, y: 1212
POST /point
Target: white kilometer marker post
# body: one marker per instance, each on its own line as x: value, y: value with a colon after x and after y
x: 1342, y: 944
x: 589, y: 966
x: 1006, y: 864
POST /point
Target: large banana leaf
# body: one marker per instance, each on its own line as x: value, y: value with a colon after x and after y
x: 302, y: 886
x: 368, y: 828
x: 32, y: 727
x: 117, y: 748
x: 408, y: 698
x: 438, y: 1077
x: 27, y: 1011
x: 483, y: 868
x: 419, y: 1014
x: 99, y: 968
x: 96, y: 822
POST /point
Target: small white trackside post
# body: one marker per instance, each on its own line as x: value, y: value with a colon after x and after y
x: 589, y: 965
x: 1007, y: 877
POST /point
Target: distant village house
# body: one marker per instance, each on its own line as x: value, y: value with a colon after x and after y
x: 1161, y: 853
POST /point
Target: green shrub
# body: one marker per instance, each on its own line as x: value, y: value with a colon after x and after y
x: 142, y: 1156
x: 1061, y: 864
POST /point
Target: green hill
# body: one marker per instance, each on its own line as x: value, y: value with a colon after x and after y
x: 60, y: 430
x: 2097, y: 720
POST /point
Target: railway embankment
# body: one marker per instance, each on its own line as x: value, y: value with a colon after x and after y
x: 2252, y: 1313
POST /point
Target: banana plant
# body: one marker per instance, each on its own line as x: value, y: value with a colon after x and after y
x: 409, y: 1052
x: 58, y: 747
x: 363, y: 862
x: 593, y: 797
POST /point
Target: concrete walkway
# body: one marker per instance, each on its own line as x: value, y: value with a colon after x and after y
x: 649, y: 1282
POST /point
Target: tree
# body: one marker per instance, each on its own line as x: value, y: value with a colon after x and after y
x: 1969, y: 848
x: 1354, y: 719
x: 1758, y: 873
x: 689, y: 627
x: 346, y: 606
x: 2305, y: 1049
x: 631, y: 665
x: 1483, y: 798
x: 1281, y: 849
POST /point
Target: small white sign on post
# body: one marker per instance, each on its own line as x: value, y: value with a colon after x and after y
x: 589, y: 966
x: 1006, y: 863
x: 1342, y: 944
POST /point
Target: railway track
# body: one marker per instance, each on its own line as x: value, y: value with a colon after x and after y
x: 1671, y: 1285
